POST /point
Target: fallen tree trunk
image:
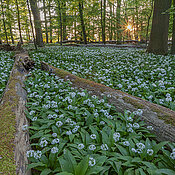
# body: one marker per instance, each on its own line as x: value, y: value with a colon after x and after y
x: 161, y: 118
x: 14, y: 139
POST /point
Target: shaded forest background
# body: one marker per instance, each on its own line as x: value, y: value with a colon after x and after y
x: 80, y: 20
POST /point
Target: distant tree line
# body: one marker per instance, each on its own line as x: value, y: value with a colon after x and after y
x: 88, y: 21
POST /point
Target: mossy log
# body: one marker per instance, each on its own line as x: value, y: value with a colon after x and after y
x: 14, y: 139
x: 161, y: 118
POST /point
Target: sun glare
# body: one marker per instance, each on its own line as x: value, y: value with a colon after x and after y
x: 129, y: 27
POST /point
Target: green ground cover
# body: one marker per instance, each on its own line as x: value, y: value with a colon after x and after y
x: 133, y: 71
x: 73, y: 133
x: 6, y: 63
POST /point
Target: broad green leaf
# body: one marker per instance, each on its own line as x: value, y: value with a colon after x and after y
x: 46, y: 171
x: 82, y: 167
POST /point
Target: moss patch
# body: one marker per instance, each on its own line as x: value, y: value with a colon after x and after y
x: 133, y: 102
x: 8, y: 129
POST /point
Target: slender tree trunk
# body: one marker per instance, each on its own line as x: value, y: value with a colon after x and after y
x: 159, y: 33
x: 19, y: 22
x: 75, y: 28
x: 37, y: 22
x: 148, y: 22
x: 173, y: 37
x: 64, y: 21
x: 10, y: 24
x: 118, y: 25
x: 50, y: 20
x: 82, y: 21
x: 45, y: 21
x: 137, y: 20
x: 60, y: 22
x: 103, y: 20
x: 30, y: 16
x: 4, y: 23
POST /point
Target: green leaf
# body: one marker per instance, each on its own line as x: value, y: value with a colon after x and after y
x: 82, y: 166
x: 64, y: 173
x: 165, y: 171
x: 34, y: 165
x: 159, y: 146
x: 46, y: 171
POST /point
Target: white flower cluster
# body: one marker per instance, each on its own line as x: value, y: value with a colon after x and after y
x: 36, y: 154
x: 172, y: 155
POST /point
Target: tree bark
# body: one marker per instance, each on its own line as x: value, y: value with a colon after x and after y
x: 64, y: 21
x: 45, y: 21
x: 19, y: 21
x: 82, y: 21
x: 37, y: 22
x: 50, y: 21
x: 4, y: 23
x: 159, y: 33
x: 31, y: 23
x: 60, y: 22
x: 173, y: 37
x: 103, y: 20
x: 118, y: 21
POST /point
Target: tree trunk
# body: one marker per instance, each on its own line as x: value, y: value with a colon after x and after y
x: 173, y: 37
x: 45, y: 21
x: 64, y: 21
x: 148, y: 22
x: 159, y: 33
x: 50, y: 20
x: 37, y: 22
x: 34, y: 40
x: 60, y: 22
x: 82, y: 21
x: 19, y: 22
x: 103, y: 20
x: 118, y: 21
x: 4, y: 23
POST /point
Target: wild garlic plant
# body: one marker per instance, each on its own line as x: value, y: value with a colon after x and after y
x: 6, y: 63
x: 133, y: 71
x: 73, y: 133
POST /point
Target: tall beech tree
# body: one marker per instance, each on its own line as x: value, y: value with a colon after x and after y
x: 45, y: 21
x: 37, y: 22
x: 19, y: 20
x: 4, y: 22
x: 173, y: 37
x: 80, y: 4
x: 159, y: 33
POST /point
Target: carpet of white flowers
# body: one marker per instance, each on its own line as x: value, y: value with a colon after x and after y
x: 6, y: 63
x: 73, y: 133
x: 140, y: 74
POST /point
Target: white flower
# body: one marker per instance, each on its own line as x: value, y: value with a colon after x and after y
x: 130, y: 119
x: 30, y: 153
x: 54, y: 150
x: 102, y: 123
x: 136, y: 125
x: 173, y: 150
x: 37, y: 154
x: 130, y: 130
x: 116, y: 136
x: 54, y: 134
x: 150, y: 152
x: 92, y: 147
x: 126, y: 143
x: 104, y: 147
x: 93, y: 136
x: 140, y: 145
x: 34, y: 119
x: 55, y: 141
x: 68, y: 132
x: 92, y: 161
x: 150, y: 127
x: 80, y: 146
x: 59, y: 123
x: 134, y: 150
x: 43, y: 143
x: 172, y: 155
x: 24, y: 127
